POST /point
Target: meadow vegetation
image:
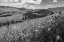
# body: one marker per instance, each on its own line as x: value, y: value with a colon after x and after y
x: 37, y: 26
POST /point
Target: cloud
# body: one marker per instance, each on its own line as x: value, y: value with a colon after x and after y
x: 12, y: 4
x: 48, y: 6
x: 32, y: 1
x: 31, y: 7
x: 20, y: 3
x: 55, y: 0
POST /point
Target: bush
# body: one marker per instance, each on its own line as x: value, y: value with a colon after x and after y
x: 39, y: 14
x: 56, y: 34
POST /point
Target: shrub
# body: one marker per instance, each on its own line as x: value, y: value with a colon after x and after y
x: 56, y: 33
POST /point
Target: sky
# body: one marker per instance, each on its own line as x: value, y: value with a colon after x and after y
x: 32, y: 4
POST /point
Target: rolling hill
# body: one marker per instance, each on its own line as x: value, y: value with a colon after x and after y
x: 56, y: 10
x: 43, y: 29
x: 32, y: 30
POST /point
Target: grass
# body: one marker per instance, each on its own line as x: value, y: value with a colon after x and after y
x: 39, y: 30
x: 46, y: 29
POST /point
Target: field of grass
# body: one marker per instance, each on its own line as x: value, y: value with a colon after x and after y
x: 49, y: 28
x: 10, y: 14
x: 24, y: 32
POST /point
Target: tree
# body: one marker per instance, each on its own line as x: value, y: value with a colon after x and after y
x: 60, y: 13
x: 51, y: 13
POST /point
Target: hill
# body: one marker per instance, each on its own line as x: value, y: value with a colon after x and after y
x: 56, y: 10
x: 36, y: 30
x: 11, y: 13
x: 26, y: 25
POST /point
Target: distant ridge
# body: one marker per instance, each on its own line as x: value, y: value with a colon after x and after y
x: 57, y: 9
x: 15, y: 8
x: 6, y: 7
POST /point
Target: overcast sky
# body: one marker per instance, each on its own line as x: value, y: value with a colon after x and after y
x: 32, y: 4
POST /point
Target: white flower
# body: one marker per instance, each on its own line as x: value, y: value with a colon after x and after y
x: 57, y: 37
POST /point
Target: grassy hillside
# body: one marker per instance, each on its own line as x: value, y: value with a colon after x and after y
x: 31, y: 26
x: 15, y: 15
x: 10, y: 14
x: 11, y: 10
x: 37, y: 30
